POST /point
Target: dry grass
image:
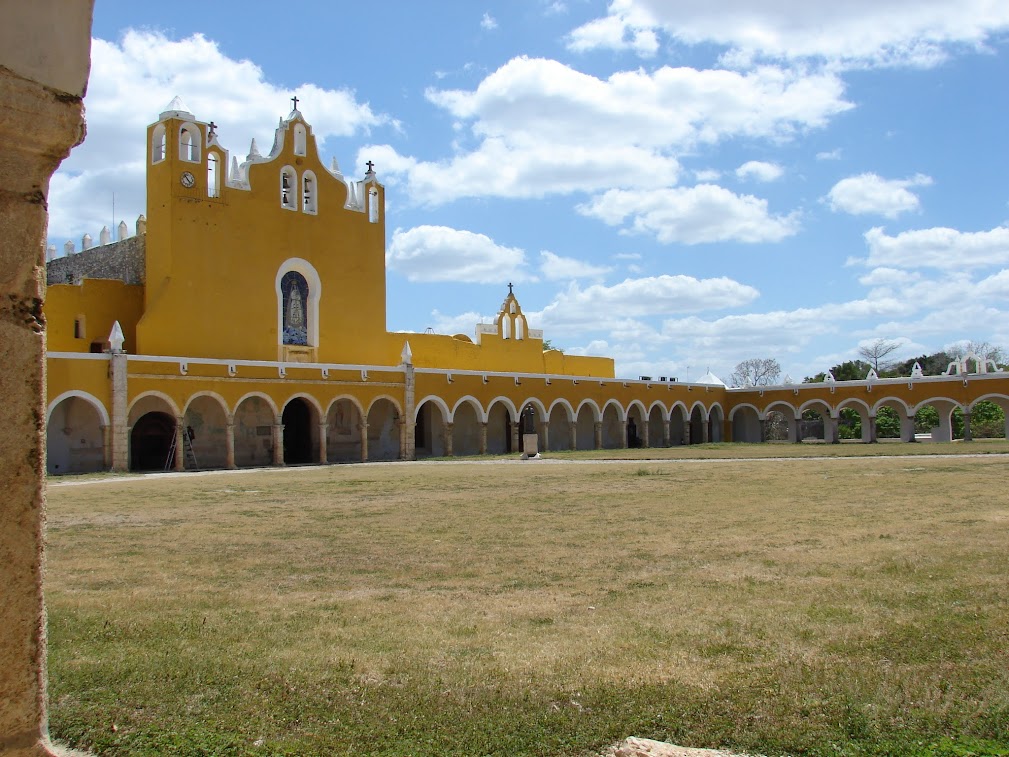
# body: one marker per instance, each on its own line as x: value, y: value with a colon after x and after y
x: 850, y: 606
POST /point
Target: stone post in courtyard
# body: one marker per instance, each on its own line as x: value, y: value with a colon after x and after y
x: 597, y: 431
x: 483, y: 438
x: 449, y: 441
x: 763, y: 430
x: 119, y: 437
x: 363, y: 427
x: 644, y: 433
x: 180, y: 444
x: 515, y: 436
x: 278, y: 441
x: 544, y: 436
x: 968, y: 435
x: 872, y: 429
x: 323, y: 453
x: 407, y: 442
x: 44, y: 58
x: 573, y: 425
x: 623, y: 435
x: 229, y: 444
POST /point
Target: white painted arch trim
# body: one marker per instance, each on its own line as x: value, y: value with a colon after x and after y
x: 642, y: 411
x: 541, y: 409
x: 890, y: 402
x: 307, y: 270
x: 993, y: 397
x: 597, y: 414
x: 744, y: 406
x: 664, y: 410
x: 161, y: 396
x: 388, y: 398
x: 212, y: 395
x: 780, y: 406
x: 103, y: 414
x: 861, y: 406
x: 818, y: 405
x: 349, y: 398
x: 309, y: 399
x: 621, y: 413
x: 940, y: 402
x: 513, y: 414
x: 446, y: 414
x: 569, y: 411
x: 473, y: 402
x: 265, y: 397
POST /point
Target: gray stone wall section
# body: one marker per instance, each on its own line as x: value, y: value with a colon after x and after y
x: 125, y: 260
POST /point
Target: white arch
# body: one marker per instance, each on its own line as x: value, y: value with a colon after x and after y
x: 662, y: 408
x: 565, y: 404
x: 933, y: 400
x: 513, y: 414
x: 621, y: 413
x: 391, y: 399
x: 89, y: 398
x: 541, y: 409
x: 353, y: 400
x: 306, y: 269
x: 721, y: 409
x: 597, y: 414
x: 303, y: 396
x: 684, y: 412
x: 159, y: 144
x: 309, y: 193
x: 811, y: 405
x: 704, y: 411
x: 897, y: 400
x: 778, y: 406
x: 854, y: 401
x: 207, y: 393
x: 154, y: 393
x: 990, y: 397
x: 300, y: 139
x: 434, y: 398
x: 469, y: 399
x: 268, y: 398
x: 732, y: 413
x: 189, y: 146
x: 641, y: 409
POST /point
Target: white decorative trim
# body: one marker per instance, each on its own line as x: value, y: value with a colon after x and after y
x: 91, y: 399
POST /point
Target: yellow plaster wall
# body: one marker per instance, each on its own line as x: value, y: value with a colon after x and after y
x: 212, y: 263
x: 102, y: 303
x: 91, y: 376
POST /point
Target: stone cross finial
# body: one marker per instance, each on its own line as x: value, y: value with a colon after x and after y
x: 371, y: 166
x: 213, y: 129
x: 509, y: 288
x: 116, y: 338
x: 295, y: 101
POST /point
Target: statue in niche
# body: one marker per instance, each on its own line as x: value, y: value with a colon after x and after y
x: 294, y: 296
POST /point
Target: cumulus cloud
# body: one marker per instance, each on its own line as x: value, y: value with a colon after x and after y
x: 615, y: 309
x: 554, y: 267
x: 440, y: 253
x: 488, y: 22
x: 705, y: 213
x: 942, y: 248
x: 759, y: 170
x: 854, y: 33
x: 132, y: 81
x: 868, y: 193
x: 834, y: 154
x: 539, y: 127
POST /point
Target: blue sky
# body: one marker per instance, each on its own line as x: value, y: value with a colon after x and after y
x: 678, y: 185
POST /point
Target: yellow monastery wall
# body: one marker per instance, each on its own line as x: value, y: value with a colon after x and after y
x: 98, y: 304
x: 88, y: 375
x: 213, y: 262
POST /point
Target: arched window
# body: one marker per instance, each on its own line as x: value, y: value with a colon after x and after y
x: 288, y: 188
x: 506, y: 328
x: 189, y: 143
x: 300, y: 139
x: 213, y: 175
x: 520, y: 328
x: 309, y: 193
x: 158, y: 144
x: 294, y: 301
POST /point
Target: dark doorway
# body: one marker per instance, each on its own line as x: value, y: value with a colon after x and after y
x: 150, y: 442
x: 297, y: 420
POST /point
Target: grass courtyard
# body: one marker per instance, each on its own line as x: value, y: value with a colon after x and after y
x: 850, y: 606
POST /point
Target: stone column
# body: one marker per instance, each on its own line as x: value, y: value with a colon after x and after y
x: 573, y: 425
x: 278, y: 443
x: 229, y: 445
x: 323, y: 454
x: 831, y: 432
x: 763, y: 430
x: 704, y: 432
x: 643, y: 436
x: 911, y: 428
x: 872, y: 429
x: 515, y: 436
x: 363, y: 427
x: 483, y: 438
x: 967, y: 435
x: 107, y: 447
x: 794, y: 431
x: 544, y: 436
x: 623, y: 435
x: 120, y: 414
x: 597, y: 430
x: 407, y: 446
x: 179, y: 463
x: 667, y: 434
x: 44, y: 58
x: 449, y: 441
x: 686, y: 433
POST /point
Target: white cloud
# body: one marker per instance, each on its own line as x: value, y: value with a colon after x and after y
x: 942, y: 248
x: 439, y: 253
x: 554, y: 268
x: 707, y: 175
x: 540, y: 127
x: 464, y: 323
x: 705, y: 213
x: 759, y: 170
x: 131, y: 83
x: 613, y: 309
x: 488, y: 22
x: 868, y: 193
x: 855, y: 33
x: 834, y: 154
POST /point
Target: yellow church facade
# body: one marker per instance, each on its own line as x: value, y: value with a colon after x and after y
x: 245, y: 325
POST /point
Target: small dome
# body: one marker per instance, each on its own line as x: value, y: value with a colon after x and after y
x: 176, y: 109
x: 710, y: 379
